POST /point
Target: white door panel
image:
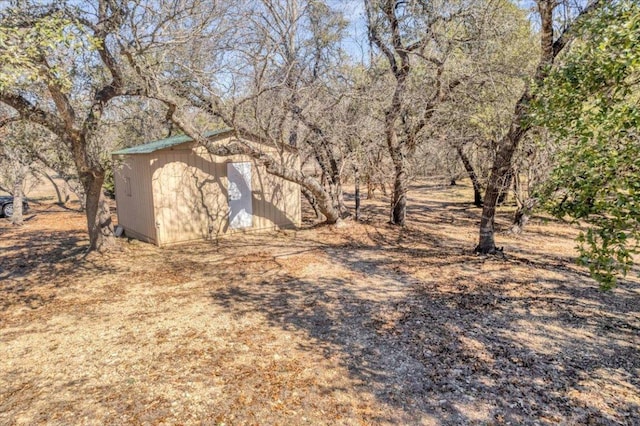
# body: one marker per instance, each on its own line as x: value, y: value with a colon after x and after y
x: 240, y: 198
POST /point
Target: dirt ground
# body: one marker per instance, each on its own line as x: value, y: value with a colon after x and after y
x: 361, y: 324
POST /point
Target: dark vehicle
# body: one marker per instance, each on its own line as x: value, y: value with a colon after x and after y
x: 6, y: 206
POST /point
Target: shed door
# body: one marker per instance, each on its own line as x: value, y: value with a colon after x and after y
x: 240, y: 198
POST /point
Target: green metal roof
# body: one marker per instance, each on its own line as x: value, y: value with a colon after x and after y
x: 165, y: 143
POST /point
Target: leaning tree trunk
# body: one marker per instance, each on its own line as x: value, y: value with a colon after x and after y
x: 500, y: 169
x: 477, y: 189
x: 99, y: 223
x: 312, y: 201
x: 324, y: 200
x: 508, y: 145
x: 330, y: 168
x: 333, y: 185
x: 62, y: 200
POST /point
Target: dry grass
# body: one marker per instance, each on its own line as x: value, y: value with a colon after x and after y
x: 365, y: 324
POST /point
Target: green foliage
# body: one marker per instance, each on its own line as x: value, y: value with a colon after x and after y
x: 29, y: 46
x: 590, y: 104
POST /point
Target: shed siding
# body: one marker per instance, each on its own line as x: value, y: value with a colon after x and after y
x: 188, y: 202
x: 134, y: 197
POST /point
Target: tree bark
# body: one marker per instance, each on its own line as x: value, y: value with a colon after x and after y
x: 477, y: 188
x: 61, y: 200
x: 17, y: 217
x: 312, y: 201
x: 525, y: 206
x: 501, y: 166
x: 400, y: 187
x: 357, y: 190
x: 99, y: 223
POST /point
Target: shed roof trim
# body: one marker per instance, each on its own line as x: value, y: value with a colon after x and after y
x: 166, y: 143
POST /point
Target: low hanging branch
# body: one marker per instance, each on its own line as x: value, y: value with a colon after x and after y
x: 176, y: 102
x: 276, y: 168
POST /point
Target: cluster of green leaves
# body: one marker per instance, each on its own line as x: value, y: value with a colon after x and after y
x: 27, y: 45
x: 590, y: 103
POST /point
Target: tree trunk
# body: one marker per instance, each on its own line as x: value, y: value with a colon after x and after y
x: 501, y: 167
x: 507, y: 146
x: 62, y: 200
x: 330, y: 172
x: 397, y: 55
x: 477, y: 189
x: 325, y: 201
x: 99, y: 223
x: 16, y: 217
x: 477, y: 196
x: 312, y: 201
x: 398, y: 153
x: 335, y: 188
x: 520, y: 220
x: 357, y: 191
x: 399, y: 206
x: 507, y: 182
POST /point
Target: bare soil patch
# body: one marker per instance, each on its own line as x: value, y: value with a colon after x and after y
x: 363, y: 324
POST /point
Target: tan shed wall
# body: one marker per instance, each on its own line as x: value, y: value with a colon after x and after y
x: 189, y: 189
x: 188, y: 202
x: 135, y: 211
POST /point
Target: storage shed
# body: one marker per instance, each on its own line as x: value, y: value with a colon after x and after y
x: 173, y: 190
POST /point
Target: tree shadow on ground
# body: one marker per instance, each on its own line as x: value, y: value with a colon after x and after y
x: 502, y: 348
x: 435, y: 333
x: 37, y: 259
